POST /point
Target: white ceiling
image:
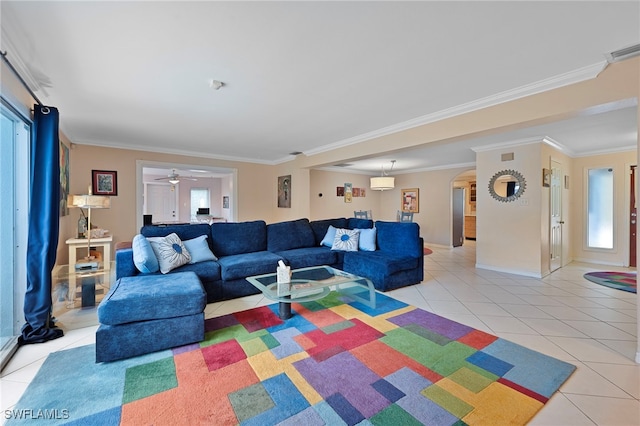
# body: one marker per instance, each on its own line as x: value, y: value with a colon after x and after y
x: 304, y: 76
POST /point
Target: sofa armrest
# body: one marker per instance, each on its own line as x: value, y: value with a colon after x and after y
x: 124, y: 263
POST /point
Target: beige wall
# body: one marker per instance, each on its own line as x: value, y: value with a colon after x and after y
x: 329, y: 205
x: 620, y: 162
x: 435, y: 211
x: 508, y: 234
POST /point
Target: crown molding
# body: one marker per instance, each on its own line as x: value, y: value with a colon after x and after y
x: 607, y: 151
x: 557, y: 145
x: 555, y: 82
x: 509, y: 144
x: 442, y: 167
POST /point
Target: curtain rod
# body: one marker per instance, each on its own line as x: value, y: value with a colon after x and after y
x: 24, y: 83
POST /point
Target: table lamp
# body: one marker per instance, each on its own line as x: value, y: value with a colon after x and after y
x: 88, y: 202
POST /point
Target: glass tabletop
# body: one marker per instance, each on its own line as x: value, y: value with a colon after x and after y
x: 306, y: 283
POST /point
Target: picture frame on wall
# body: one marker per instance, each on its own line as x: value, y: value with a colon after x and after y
x: 284, y: 191
x: 546, y: 178
x: 348, y: 192
x: 410, y: 201
x: 104, y: 182
x: 225, y: 201
x: 64, y: 179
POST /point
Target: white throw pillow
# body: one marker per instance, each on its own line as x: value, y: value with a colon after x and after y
x: 346, y: 239
x: 170, y: 252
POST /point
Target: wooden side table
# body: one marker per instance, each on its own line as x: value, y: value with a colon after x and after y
x: 76, y: 243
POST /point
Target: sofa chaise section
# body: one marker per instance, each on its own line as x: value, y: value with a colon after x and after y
x: 148, y: 313
x: 398, y: 260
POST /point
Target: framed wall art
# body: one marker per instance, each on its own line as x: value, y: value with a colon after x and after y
x: 348, y: 192
x: 64, y: 179
x: 104, y: 182
x: 284, y: 191
x: 546, y: 178
x: 410, y: 200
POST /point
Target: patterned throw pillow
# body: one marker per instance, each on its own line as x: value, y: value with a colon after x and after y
x: 346, y: 239
x: 170, y: 252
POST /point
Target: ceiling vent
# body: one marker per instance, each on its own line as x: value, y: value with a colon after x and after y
x: 622, y: 54
x: 343, y: 165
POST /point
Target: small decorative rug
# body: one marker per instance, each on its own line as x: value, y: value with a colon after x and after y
x: 334, y: 362
x: 619, y: 280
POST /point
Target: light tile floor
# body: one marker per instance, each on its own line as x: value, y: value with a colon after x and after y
x: 562, y: 315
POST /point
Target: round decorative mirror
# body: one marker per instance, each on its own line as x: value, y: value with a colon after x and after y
x: 507, y: 185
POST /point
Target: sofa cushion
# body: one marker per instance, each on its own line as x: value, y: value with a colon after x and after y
x: 248, y: 264
x: 198, y: 249
x: 371, y: 263
x: 320, y: 227
x: 289, y: 235
x: 309, y: 256
x: 355, y: 223
x: 147, y: 297
x: 170, y: 252
x: 346, y: 239
x: 231, y: 238
x: 207, y: 271
x: 143, y: 256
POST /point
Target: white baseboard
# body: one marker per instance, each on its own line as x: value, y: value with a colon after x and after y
x: 431, y: 245
x: 598, y: 262
x: 510, y: 271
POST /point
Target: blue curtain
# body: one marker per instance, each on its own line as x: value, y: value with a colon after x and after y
x: 44, y: 224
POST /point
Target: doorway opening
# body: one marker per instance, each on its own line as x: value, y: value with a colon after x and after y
x: 463, y: 208
x: 164, y: 191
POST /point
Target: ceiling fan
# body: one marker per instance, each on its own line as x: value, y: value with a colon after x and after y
x: 174, y: 177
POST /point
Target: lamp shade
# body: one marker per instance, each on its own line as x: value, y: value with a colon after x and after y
x: 382, y: 183
x: 89, y: 201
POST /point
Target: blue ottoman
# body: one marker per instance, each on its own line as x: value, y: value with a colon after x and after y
x: 148, y: 313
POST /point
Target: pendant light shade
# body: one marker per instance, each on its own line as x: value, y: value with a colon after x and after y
x: 382, y: 183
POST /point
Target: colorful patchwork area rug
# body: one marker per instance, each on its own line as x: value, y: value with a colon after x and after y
x: 619, y: 280
x: 334, y: 362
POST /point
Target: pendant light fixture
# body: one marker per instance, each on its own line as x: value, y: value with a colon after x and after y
x: 383, y: 182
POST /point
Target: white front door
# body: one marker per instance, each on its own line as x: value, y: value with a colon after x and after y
x: 556, y: 216
x: 161, y: 201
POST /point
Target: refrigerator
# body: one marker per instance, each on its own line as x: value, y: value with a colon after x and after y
x: 458, y: 217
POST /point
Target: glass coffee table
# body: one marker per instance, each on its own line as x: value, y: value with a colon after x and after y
x: 313, y: 283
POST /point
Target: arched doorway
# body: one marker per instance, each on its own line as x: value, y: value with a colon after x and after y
x: 463, y: 208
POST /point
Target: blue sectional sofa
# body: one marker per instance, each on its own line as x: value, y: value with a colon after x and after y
x: 252, y: 248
